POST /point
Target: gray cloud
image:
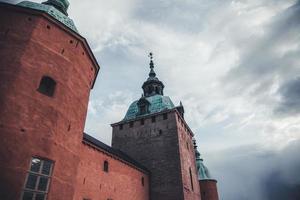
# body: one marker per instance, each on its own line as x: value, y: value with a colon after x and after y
x: 290, y: 98
x: 252, y: 172
x: 268, y: 58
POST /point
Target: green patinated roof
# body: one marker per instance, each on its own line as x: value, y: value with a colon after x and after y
x: 158, y: 103
x: 203, y: 172
x: 50, y: 10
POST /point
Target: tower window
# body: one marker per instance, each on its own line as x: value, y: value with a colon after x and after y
x: 105, y: 166
x: 130, y: 124
x: 143, y: 109
x: 191, y: 177
x: 47, y: 86
x: 121, y: 127
x: 165, y: 116
x: 142, y: 121
x: 38, y: 179
x: 153, y: 119
x: 143, y: 181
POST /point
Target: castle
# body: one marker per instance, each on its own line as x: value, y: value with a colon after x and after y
x: 47, y: 71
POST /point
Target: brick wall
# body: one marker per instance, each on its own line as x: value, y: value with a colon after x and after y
x: 209, y: 190
x: 32, y: 124
x: 157, y: 146
x: 122, y: 181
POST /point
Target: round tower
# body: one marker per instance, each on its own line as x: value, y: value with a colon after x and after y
x: 46, y: 74
x: 208, y: 185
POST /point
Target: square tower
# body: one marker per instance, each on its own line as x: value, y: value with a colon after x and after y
x: 155, y: 134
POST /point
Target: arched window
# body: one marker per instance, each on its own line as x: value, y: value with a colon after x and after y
x: 47, y: 86
x: 105, y: 166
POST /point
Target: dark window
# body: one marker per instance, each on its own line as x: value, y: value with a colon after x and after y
x: 47, y: 86
x: 142, y: 121
x: 165, y: 116
x: 143, y: 181
x: 120, y: 126
x: 130, y: 124
x: 153, y: 119
x: 160, y: 132
x: 187, y: 145
x: 143, y: 109
x: 191, y: 177
x: 105, y: 166
x: 38, y: 179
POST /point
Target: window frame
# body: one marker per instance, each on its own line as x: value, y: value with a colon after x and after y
x: 106, y: 166
x: 47, y: 91
x: 39, y: 175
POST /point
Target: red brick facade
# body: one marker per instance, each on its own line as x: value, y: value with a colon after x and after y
x: 34, y: 45
x: 32, y: 124
x: 209, y: 190
x: 165, y: 147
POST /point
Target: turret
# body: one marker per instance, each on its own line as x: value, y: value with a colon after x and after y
x: 47, y: 73
x: 208, y: 185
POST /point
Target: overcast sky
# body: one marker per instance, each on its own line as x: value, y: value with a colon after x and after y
x: 235, y: 66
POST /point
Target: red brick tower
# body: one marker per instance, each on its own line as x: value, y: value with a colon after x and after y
x: 155, y: 134
x: 46, y: 73
x: 208, y: 185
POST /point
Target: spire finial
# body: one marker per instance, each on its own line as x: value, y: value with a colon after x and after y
x: 151, y: 60
x: 152, y: 73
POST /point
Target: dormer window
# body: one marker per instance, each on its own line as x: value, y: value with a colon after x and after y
x: 143, y: 109
x: 143, y: 106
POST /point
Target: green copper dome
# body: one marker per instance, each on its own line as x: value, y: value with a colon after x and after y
x: 157, y: 103
x: 55, y: 8
x: 203, y: 172
x: 152, y: 100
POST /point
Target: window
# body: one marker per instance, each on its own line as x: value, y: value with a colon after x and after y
x: 187, y: 145
x: 191, y: 177
x: 47, y: 86
x: 153, y: 119
x: 120, y: 126
x: 142, y: 121
x: 165, y: 116
x: 143, y: 181
x: 143, y: 109
x: 160, y: 132
x: 105, y: 166
x: 38, y: 179
x: 130, y: 124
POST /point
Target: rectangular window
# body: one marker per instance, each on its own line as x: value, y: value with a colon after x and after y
x: 130, y: 124
x: 165, y: 116
x: 38, y: 179
x: 142, y: 121
x: 191, y: 178
x: 153, y: 119
x: 120, y: 126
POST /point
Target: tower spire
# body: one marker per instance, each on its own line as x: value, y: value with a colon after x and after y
x: 152, y: 73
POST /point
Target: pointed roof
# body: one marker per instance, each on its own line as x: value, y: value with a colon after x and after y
x: 203, y: 172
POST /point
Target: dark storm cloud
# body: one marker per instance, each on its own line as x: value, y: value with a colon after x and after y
x: 268, y: 57
x: 250, y: 172
x: 290, y: 98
